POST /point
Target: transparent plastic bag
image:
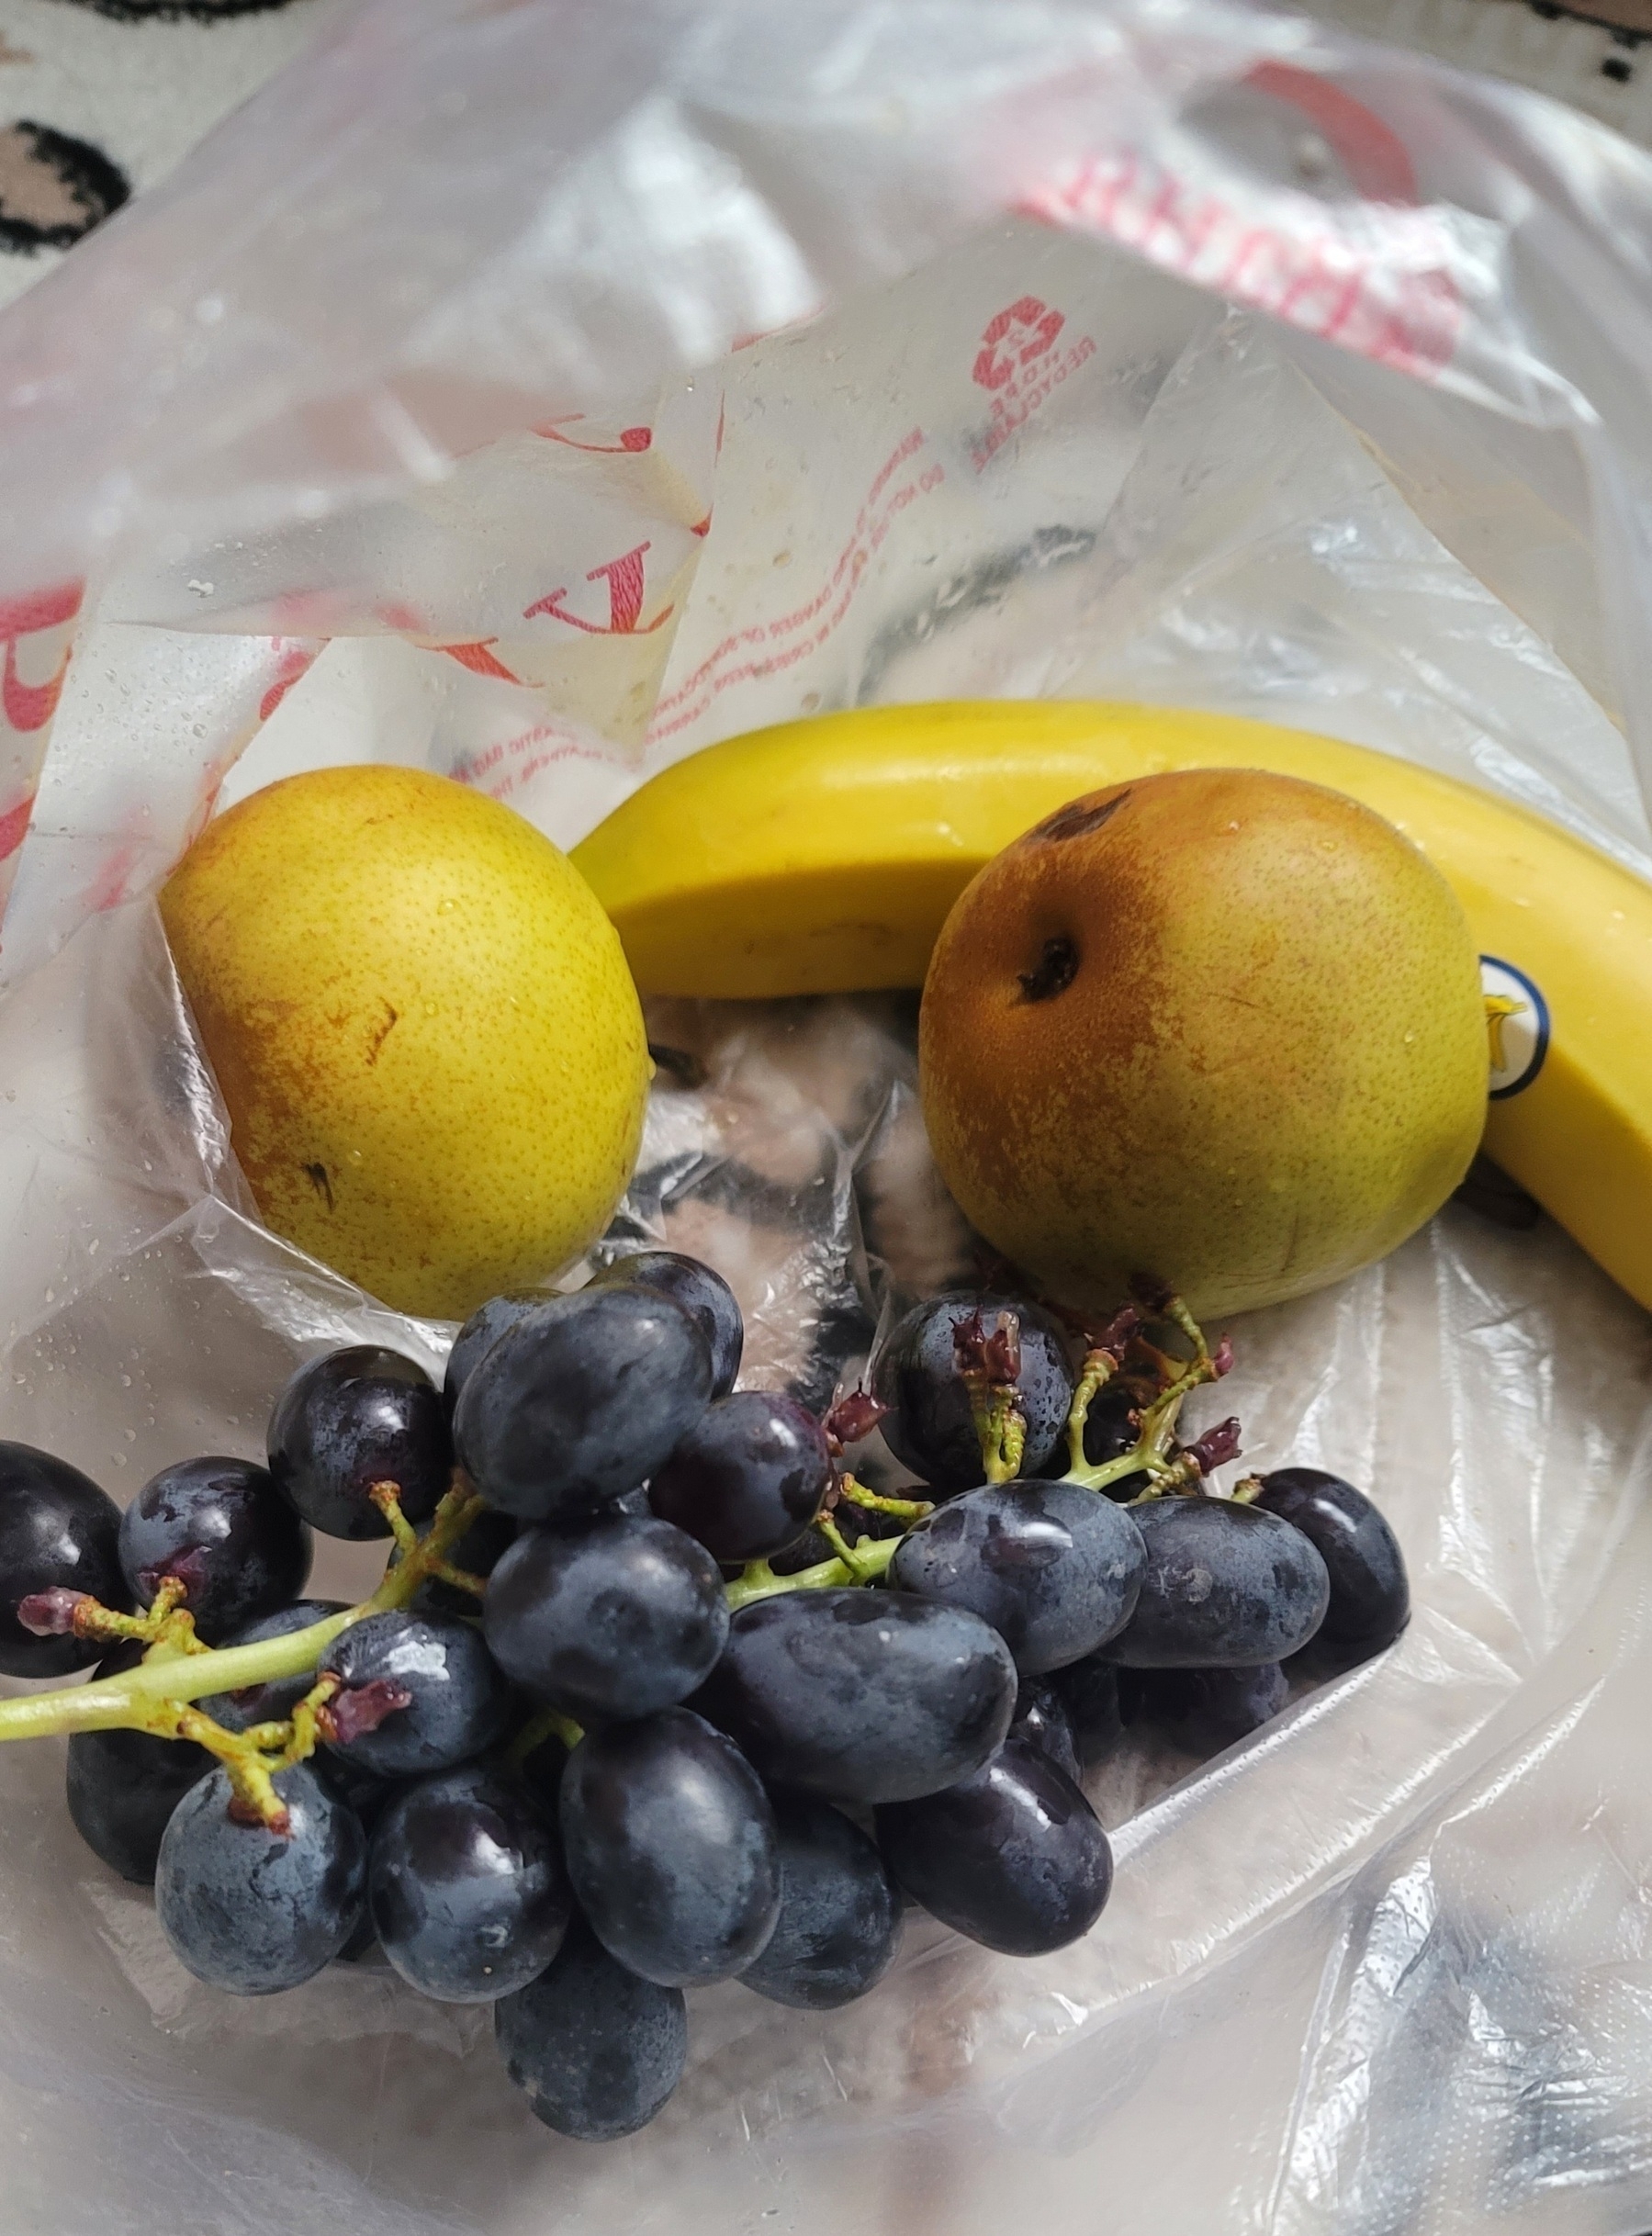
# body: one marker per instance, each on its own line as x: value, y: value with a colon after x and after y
x: 1163, y: 350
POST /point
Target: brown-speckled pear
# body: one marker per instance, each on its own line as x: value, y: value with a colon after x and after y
x: 423, y: 1026
x: 1217, y: 1028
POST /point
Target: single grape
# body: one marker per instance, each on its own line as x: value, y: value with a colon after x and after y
x: 352, y: 1418
x: 124, y: 1786
x: 478, y: 1552
x: 467, y: 1886
x: 703, y: 1295
x: 58, y: 1531
x: 1370, y: 1598
x: 614, y: 1617
x: 251, y: 1910
x: 671, y: 1848
x: 225, y: 1532
x: 1088, y: 1690
x: 839, y: 1920
x: 1203, y: 1711
x: 581, y: 1401
x: 931, y: 1428
x: 1012, y: 1855
x: 460, y: 1702
x: 748, y: 1478
x: 1042, y: 1720
x: 1053, y: 1569
x: 274, y: 1702
x: 596, y: 2050
x: 1226, y: 1587
x: 861, y: 1696
x: 481, y: 1331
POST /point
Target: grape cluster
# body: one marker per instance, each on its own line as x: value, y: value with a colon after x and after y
x: 654, y: 1694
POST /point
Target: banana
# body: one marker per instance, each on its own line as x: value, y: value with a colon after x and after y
x: 822, y: 857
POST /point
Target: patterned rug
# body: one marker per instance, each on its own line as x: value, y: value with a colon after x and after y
x: 100, y: 98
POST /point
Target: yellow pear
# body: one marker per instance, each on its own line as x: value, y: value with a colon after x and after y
x: 1217, y: 1028
x: 423, y: 1026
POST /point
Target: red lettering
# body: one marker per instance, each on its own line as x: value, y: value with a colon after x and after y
x: 30, y: 706
x: 633, y: 440
x: 480, y: 660
x: 625, y: 578
x: 292, y: 664
x: 13, y: 824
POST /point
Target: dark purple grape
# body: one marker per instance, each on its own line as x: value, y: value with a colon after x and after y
x: 351, y: 1419
x: 467, y: 1886
x: 861, y: 1696
x: 671, y: 1848
x: 222, y: 1528
x: 124, y: 1786
x: 931, y: 1428
x: 1012, y: 1855
x: 596, y: 2050
x: 1370, y: 1598
x: 611, y: 1618
x: 702, y: 1294
x: 1052, y: 1568
x: 839, y: 1920
x: 58, y: 1531
x: 1203, y: 1711
x: 252, y: 1911
x: 1088, y: 1690
x: 481, y: 1331
x: 460, y: 1701
x: 748, y: 1478
x: 581, y: 1401
x: 274, y: 1702
x: 1042, y: 1721
x: 1226, y: 1587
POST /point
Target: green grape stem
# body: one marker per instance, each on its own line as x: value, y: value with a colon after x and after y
x: 759, y: 1581
x: 1151, y: 1454
x: 147, y: 1699
x: 873, y: 1502
x: 1001, y: 1426
x: 548, y: 1724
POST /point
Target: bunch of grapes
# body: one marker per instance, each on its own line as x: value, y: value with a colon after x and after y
x: 654, y: 1693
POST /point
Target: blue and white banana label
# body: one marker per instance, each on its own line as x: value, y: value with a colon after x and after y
x: 1517, y: 1024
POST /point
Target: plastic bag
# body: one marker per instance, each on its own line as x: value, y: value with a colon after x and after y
x: 1388, y: 1968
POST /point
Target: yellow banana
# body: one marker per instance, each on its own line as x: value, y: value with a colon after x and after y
x: 822, y: 857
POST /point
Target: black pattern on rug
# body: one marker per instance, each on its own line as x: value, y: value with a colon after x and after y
x: 53, y: 188
x: 176, y: 11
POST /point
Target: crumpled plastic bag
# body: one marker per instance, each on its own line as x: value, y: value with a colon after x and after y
x: 538, y: 395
